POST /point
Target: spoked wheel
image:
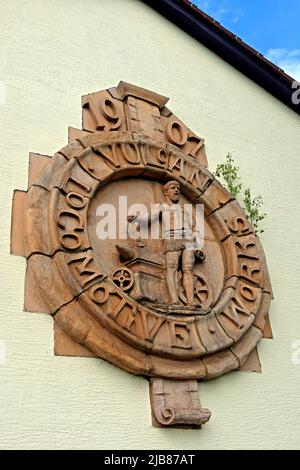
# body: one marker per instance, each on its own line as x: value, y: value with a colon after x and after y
x: 123, y: 278
x: 202, y: 294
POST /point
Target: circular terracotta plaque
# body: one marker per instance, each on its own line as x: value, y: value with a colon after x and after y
x: 115, y: 296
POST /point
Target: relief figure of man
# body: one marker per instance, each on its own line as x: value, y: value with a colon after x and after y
x: 180, y: 239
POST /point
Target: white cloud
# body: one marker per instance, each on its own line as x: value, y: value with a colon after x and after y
x: 219, y: 10
x: 294, y: 53
x: 286, y: 59
x: 235, y: 19
x: 203, y: 5
x: 276, y: 54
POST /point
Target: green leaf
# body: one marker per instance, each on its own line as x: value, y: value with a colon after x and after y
x: 228, y: 171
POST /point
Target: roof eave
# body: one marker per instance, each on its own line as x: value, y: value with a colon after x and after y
x: 229, y: 47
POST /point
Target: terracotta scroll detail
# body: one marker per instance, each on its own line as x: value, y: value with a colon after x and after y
x: 176, y: 403
x: 151, y: 308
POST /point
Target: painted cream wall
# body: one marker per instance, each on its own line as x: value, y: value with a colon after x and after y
x: 51, y: 53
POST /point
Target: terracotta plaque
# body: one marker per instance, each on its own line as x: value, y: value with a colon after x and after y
x: 140, y: 255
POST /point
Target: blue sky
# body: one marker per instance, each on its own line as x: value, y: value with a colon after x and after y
x: 270, y: 26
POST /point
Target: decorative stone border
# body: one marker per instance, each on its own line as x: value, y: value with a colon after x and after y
x: 128, y: 131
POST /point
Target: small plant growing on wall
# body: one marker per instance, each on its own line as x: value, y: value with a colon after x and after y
x: 229, y: 172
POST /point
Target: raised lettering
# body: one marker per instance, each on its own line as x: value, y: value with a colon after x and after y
x: 130, y: 152
x: 86, y: 268
x: 199, y: 144
x: 70, y: 241
x: 99, y: 294
x: 75, y: 200
x: 71, y: 179
x: 175, y: 133
x: 149, y: 335
x: 238, y: 225
x: 233, y: 309
x: 73, y: 215
x: 180, y: 335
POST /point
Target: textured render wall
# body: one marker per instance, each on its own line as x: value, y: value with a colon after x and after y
x: 50, y: 54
